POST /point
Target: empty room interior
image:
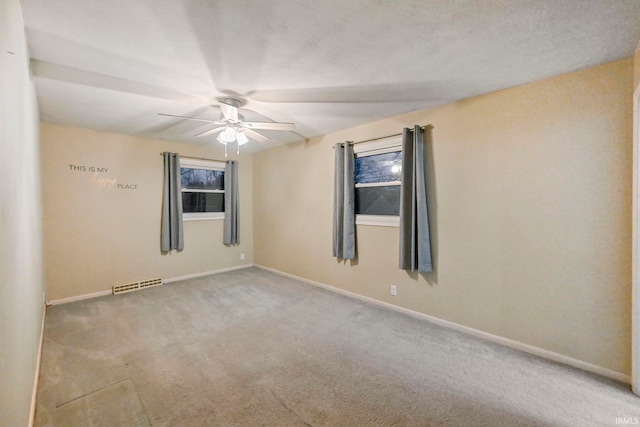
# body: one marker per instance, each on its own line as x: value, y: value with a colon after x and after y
x: 319, y: 213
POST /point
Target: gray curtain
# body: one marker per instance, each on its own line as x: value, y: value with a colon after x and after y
x: 231, y: 204
x: 415, y: 244
x: 171, y: 229
x: 344, y: 220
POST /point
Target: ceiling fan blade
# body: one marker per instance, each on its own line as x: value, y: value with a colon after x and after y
x: 257, y: 136
x: 229, y: 111
x: 269, y: 126
x: 211, y: 132
x: 187, y: 118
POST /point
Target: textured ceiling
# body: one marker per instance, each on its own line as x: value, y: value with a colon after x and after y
x: 323, y: 65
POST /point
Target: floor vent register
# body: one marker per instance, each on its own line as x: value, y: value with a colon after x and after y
x: 136, y: 286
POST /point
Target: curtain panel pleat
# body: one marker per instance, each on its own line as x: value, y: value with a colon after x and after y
x: 344, y: 221
x: 172, y: 236
x: 231, y: 204
x: 415, y: 243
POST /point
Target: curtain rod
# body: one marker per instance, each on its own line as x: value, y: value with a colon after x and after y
x: 422, y: 128
x: 199, y: 158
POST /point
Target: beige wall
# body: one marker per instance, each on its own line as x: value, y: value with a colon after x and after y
x: 636, y: 68
x: 530, y: 204
x: 635, y: 362
x: 97, y: 236
x: 21, y: 271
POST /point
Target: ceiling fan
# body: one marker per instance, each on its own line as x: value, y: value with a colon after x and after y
x: 232, y: 126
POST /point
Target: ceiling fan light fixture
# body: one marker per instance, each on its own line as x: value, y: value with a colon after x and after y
x: 227, y: 135
x: 241, y: 138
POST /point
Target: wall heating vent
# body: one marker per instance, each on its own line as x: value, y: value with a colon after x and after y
x: 136, y: 286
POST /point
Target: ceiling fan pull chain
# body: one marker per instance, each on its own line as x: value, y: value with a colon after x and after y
x: 238, y: 152
x: 225, y: 150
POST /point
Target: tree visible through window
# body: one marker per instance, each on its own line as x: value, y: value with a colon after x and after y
x: 202, y: 189
x: 377, y: 180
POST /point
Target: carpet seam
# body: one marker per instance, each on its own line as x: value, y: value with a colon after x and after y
x: 92, y: 392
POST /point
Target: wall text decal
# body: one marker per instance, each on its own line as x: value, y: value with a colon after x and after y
x: 84, y: 168
x: 110, y: 183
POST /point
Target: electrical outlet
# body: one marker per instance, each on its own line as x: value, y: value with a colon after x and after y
x: 241, y: 256
x: 394, y: 290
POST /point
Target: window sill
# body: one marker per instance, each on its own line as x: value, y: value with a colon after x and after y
x: 202, y: 216
x: 378, y: 220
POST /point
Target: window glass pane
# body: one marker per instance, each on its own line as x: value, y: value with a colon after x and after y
x: 378, y: 168
x: 204, y: 179
x: 202, y: 202
x: 378, y: 200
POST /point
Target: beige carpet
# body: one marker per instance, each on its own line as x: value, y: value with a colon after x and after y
x: 251, y: 348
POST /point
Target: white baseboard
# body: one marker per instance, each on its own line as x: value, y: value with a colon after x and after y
x: 206, y: 273
x: 169, y: 280
x: 540, y: 352
x: 78, y: 298
x: 34, y: 393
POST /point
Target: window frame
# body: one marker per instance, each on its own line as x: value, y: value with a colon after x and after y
x: 382, y: 146
x: 216, y: 165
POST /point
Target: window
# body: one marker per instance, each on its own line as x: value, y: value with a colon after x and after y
x: 377, y: 180
x: 202, y: 184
